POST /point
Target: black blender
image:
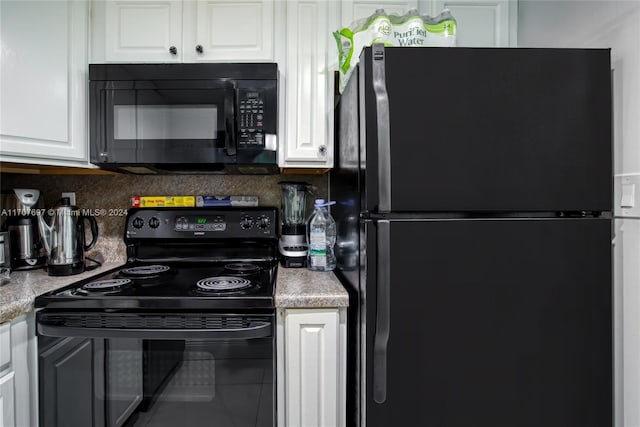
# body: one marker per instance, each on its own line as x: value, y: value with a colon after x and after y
x: 293, y: 240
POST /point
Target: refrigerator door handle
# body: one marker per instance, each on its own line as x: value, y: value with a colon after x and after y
x: 383, y: 313
x: 384, y: 136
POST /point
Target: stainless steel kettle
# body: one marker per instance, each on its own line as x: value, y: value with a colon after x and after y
x: 64, y: 239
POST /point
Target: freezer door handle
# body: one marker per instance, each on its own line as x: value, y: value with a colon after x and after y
x: 382, y: 120
x: 383, y: 313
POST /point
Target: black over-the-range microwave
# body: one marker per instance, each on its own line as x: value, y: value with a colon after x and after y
x: 184, y: 118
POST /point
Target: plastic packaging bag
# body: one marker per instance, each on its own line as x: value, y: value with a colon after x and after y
x: 410, y: 29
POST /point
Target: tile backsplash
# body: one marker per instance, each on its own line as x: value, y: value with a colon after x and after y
x: 113, y: 194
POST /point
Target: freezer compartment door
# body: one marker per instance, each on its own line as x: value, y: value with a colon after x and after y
x: 489, y: 323
x: 487, y: 130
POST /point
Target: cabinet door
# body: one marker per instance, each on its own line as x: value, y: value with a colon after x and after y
x: 309, y: 83
x: 5, y: 346
x: 142, y: 30
x: 357, y: 9
x: 43, y: 73
x: 482, y: 23
x: 7, y: 401
x: 25, y: 368
x: 228, y: 30
x: 68, y: 389
x: 314, y: 363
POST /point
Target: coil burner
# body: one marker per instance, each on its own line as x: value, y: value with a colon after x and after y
x: 242, y: 268
x: 223, y: 284
x: 145, y: 270
x: 110, y: 285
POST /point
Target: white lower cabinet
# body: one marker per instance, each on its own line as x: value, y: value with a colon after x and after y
x: 311, y: 367
x: 7, y: 400
x: 18, y: 373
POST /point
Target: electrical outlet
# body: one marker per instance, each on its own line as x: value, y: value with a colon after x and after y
x: 71, y: 196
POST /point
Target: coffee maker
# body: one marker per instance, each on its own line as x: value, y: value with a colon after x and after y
x: 22, y: 225
x: 293, y: 238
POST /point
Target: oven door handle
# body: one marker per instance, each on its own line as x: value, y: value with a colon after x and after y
x: 262, y: 330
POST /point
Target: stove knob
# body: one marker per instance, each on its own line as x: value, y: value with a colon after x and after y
x: 246, y: 222
x: 264, y: 222
x: 137, y: 222
x: 154, y: 222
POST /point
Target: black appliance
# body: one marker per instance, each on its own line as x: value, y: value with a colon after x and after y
x: 182, y: 334
x: 474, y: 194
x: 184, y: 118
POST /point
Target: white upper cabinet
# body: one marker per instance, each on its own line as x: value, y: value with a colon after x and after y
x: 311, y: 58
x: 228, y: 30
x: 483, y: 23
x: 142, y: 30
x: 43, y: 81
x: 357, y: 9
x: 183, y: 31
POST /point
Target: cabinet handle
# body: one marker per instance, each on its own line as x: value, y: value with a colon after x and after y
x: 199, y: 48
x: 322, y: 150
x: 173, y: 50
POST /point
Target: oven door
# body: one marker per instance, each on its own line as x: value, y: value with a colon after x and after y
x: 163, y: 122
x: 114, y: 369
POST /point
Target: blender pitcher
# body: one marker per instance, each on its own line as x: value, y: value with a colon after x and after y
x: 293, y: 242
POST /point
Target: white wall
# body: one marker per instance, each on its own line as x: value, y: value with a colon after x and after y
x: 615, y: 25
x: 596, y: 23
x: 565, y: 23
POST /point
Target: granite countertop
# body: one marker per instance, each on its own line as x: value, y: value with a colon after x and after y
x: 295, y: 288
x: 302, y: 288
x: 17, y: 295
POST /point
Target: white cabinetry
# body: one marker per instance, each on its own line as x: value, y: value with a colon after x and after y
x: 229, y: 30
x: 18, y: 393
x: 483, y: 23
x: 43, y: 79
x: 358, y: 9
x: 311, y: 367
x: 311, y: 59
x: 138, y: 31
x: 7, y: 400
x: 183, y: 31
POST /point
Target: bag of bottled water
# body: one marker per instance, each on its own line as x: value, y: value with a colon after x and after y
x: 321, y: 237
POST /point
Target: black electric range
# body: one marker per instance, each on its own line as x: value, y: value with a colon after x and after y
x: 185, y: 327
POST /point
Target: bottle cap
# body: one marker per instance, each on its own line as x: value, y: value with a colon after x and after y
x: 320, y: 203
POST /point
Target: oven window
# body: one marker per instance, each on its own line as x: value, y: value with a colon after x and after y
x: 165, y: 122
x: 205, y: 383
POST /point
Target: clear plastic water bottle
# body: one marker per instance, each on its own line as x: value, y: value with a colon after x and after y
x: 321, y: 237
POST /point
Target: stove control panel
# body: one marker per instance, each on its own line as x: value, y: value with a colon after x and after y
x: 181, y: 223
x: 190, y: 223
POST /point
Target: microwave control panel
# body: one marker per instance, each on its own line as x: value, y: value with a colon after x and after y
x: 251, y: 118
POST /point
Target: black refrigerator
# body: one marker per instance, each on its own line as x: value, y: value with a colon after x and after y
x: 474, y: 199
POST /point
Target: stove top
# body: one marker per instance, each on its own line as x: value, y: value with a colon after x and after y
x: 185, y: 259
x: 187, y: 286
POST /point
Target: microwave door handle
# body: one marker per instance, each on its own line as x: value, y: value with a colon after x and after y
x: 229, y: 122
x: 230, y: 142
